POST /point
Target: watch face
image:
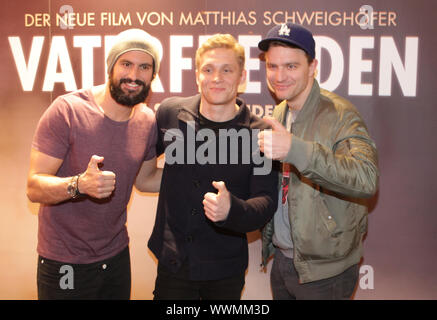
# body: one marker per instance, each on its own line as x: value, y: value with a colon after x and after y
x: 72, y: 187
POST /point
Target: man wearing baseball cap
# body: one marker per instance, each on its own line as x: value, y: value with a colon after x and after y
x: 88, y: 148
x: 329, y: 166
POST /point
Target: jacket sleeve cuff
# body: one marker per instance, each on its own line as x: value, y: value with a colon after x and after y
x: 300, y: 153
x: 235, y: 207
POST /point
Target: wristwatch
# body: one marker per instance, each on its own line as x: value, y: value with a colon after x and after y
x: 73, y: 187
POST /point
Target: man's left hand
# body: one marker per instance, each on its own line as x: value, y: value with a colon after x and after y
x: 217, y: 205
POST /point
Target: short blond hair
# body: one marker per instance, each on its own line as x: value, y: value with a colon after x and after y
x: 225, y: 41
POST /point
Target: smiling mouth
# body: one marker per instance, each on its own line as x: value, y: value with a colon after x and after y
x: 131, y: 86
x: 282, y: 87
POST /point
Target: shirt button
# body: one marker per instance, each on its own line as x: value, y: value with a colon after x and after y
x: 329, y: 217
x: 194, y: 212
x: 173, y: 262
x: 104, y: 266
x: 196, y: 183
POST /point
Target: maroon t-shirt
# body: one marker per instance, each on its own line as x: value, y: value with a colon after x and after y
x: 74, y: 128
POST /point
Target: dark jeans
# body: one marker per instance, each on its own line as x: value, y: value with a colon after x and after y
x: 285, y: 283
x: 177, y: 286
x: 109, y: 279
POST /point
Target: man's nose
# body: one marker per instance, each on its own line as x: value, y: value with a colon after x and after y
x: 133, y: 73
x: 280, y: 75
x: 217, y: 76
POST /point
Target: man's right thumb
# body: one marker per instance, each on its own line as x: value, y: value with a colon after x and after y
x: 94, y: 162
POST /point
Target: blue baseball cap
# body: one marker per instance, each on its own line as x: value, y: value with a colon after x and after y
x: 292, y: 34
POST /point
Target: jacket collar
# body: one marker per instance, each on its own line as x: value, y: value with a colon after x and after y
x: 190, y: 112
x: 310, y: 104
x: 308, y: 108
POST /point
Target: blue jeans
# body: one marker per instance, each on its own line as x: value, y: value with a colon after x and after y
x: 109, y: 279
x: 285, y: 283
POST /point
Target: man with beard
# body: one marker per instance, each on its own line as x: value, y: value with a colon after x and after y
x: 89, y: 149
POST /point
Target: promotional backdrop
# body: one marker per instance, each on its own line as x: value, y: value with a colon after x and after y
x: 379, y: 55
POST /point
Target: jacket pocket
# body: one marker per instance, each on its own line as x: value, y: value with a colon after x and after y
x: 319, y: 234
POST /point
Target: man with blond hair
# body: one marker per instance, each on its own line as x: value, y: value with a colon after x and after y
x: 215, y: 187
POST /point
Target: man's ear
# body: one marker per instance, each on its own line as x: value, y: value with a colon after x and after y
x: 313, y: 68
x: 243, y: 76
x: 197, y: 76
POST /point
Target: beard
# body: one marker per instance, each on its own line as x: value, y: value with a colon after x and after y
x: 128, y: 99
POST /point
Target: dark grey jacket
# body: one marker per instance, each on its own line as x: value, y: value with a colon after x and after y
x: 182, y: 234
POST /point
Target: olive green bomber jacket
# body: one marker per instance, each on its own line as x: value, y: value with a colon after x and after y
x: 335, y: 168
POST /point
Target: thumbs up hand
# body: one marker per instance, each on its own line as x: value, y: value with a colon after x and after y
x: 217, y: 205
x: 275, y: 143
x: 96, y: 183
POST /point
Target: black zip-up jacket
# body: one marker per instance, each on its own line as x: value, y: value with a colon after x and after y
x: 182, y: 234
